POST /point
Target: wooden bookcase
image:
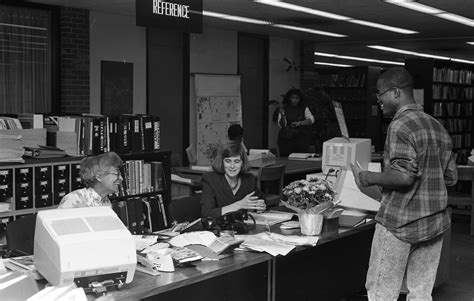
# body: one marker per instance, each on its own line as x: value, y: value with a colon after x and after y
x: 448, y: 89
x: 354, y: 88
x: 40, y: 184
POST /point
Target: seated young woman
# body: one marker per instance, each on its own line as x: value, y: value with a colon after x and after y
x: 229, y: 187
x: 101, y: 176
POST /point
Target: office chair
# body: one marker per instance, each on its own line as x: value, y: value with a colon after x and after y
x: 459, y: 198
x: 185, y: 209
x: 21, y: 235
x: 270, y: 182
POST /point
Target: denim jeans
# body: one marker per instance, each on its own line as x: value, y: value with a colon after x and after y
x: 392, y: 261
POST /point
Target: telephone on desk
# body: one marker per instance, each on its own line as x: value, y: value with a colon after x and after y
x: 231, y: 221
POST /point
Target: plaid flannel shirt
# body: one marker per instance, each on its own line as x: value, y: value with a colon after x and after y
x: 417, y: 144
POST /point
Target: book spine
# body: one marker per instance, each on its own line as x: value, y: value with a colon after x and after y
x: 163, y: 212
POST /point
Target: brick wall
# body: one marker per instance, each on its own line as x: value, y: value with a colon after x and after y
x: 74, y: 60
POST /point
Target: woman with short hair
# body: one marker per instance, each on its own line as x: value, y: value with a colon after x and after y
x: 101, y: 176
x: 230, y: 186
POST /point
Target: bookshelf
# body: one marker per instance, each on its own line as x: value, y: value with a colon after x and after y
x: 354, y: 88
x: 448, y: 89
x: 40, y: 184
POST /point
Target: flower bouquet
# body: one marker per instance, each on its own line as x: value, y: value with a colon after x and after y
x: 310, y: 199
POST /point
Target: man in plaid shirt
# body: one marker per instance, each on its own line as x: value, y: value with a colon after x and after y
x: 418, y: 165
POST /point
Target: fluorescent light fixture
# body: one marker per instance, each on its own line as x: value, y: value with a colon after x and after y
x: 332, y: 64
x: 381, y: 26
x: 302, y: 9
x: 416, y: 6
x: 457, y: 19
x: 356, y: 58
x: 234, y: 18
x: 390, y: 49
x: 320, y: 13
x: 263, y: 22
x: 472, y: 43
x: 314, y: 31
x: 411, y: 4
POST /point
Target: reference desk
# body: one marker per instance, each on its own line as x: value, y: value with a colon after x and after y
x: 335, y: 268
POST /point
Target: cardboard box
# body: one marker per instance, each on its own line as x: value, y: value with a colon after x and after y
x: 30, y: 137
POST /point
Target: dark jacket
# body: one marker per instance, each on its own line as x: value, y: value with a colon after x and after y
x: 216, y: 192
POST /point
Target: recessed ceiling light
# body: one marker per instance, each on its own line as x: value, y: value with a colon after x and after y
x: 332, y: 64
x: 410, y: 4
x: 263, y: 22
x: 391, y: 49
x: 356, y: 58
x: 320, y: 13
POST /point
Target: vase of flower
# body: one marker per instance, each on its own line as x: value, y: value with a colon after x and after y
x: 311, y: 223
x: 310, y: 199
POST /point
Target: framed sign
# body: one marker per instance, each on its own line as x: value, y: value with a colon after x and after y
x: 177, y: 15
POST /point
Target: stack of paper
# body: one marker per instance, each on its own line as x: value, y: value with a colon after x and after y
x: 11, y: 148
x: 271, y: 217
x: 263, y: 242
x: 68, y: 292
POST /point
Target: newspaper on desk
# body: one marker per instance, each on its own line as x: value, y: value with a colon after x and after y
x: 275, y: 244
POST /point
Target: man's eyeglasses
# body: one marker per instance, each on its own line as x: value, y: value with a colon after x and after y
x: 379, y: 94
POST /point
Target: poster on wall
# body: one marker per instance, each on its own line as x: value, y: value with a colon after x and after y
x: 116, y: 88
x: 218, y: 105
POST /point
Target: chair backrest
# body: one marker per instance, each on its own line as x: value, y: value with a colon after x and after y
x: 185, y: 209
x: 21, y: 235
x: 271, y: 174
x: 466, y: 173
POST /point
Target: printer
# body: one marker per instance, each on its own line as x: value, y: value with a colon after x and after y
x: 89, y: 246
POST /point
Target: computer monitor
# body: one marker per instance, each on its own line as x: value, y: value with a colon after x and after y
x: 83, y: 245
x: 340, y: 152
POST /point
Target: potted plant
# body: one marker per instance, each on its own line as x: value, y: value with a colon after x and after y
x: 310, y: 199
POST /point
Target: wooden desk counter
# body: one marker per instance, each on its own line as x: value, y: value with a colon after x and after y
x: 245, y: 276
x: 336, y: 267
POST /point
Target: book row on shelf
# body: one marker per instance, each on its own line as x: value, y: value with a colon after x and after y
x: 456, y: 125
x: 461, y: 141
x: 141, y: 177
x: 347, y: 80
x: 450, y: 75
x: 452, y: 109
x: 90, y: 134
x: 352, y: 97
x: 87, y: 135
x: 142, y: 214
x: 452, y: 92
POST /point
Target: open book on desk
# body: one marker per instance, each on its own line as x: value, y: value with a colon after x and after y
x: 207, y: 244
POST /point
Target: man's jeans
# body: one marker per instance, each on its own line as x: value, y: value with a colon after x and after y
x: 392, y: 260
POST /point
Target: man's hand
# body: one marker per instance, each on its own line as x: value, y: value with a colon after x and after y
x: 361, y: 176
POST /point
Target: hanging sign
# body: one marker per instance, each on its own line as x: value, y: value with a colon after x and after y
x: 176, y: 15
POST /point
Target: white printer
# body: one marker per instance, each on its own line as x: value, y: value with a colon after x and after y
x: 89, y: 246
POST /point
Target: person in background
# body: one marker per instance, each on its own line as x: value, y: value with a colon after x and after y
x: 229, y: 187
x: 236, y: 133
x: 418, y: 165
x: 294, y: 119
x: 101, y: 176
